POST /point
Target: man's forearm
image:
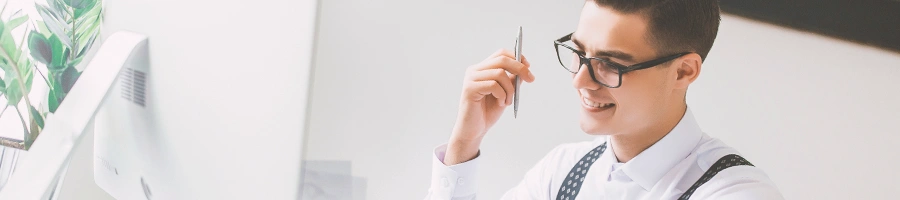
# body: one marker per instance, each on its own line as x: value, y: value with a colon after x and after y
x: 461, y: 150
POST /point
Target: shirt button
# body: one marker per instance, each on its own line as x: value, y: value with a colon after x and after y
x: 445, y: 182
x: 459, y: 181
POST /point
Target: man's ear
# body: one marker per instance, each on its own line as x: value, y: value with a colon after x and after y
x: 688, y: 70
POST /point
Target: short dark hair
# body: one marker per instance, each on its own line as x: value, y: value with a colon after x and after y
x: 675, y: 25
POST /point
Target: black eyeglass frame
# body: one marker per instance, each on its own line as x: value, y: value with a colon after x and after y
x: 620, y: 68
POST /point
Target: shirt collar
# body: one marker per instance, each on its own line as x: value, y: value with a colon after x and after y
x: 653, y: 163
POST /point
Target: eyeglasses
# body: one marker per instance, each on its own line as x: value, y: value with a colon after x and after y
x: 603, y: 70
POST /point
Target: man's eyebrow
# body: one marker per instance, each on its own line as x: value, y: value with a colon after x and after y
x: 577, y: 43
x: 605, y: 53
x: 614, y: 54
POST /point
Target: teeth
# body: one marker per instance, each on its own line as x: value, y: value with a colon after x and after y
x: 595, y: 104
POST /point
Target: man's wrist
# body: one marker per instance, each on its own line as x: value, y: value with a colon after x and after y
x: 460, y: 150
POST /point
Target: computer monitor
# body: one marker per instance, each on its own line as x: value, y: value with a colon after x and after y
x: 37, y: 175
x: 219, y: 109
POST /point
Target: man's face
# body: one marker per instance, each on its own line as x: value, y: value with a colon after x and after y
x: 644, y: 94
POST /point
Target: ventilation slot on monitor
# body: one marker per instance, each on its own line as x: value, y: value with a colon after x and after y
x: 140, y: 83
x: 134, y: 86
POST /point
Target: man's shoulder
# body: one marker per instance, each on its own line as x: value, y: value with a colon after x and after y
x: 742, y: 181
x: 710, y: 150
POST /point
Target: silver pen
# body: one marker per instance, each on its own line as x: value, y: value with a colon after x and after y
x: 519, y: 59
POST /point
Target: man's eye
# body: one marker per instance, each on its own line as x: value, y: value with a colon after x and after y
x: 605, y: 65
x: 610, y: 67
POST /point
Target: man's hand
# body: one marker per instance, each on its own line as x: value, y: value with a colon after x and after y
x: 488, y: 88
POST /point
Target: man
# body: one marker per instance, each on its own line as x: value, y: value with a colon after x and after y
x: 632, y: 63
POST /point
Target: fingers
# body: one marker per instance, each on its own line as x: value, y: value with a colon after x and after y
x: 500, y: 77
x: 508, y: 64
x: 507, y: 60
x: 494, y: 76
x: 483, y: 88
x: 528, y: 65
x: 502, y: 52
x: 513, y: 77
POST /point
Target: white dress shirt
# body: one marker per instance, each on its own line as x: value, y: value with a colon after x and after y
x: 663, y: 171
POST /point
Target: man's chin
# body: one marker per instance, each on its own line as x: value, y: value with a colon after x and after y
x: 594, y: 128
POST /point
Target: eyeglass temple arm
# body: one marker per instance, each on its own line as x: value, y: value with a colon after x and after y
x: 652, y: 63
x: 565, y: 38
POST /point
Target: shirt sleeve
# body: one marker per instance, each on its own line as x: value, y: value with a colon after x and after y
x: 457, y: 182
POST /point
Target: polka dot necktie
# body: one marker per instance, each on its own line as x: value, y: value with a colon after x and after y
x: 572, y: 184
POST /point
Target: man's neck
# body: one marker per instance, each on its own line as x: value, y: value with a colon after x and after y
x: 628, y: 145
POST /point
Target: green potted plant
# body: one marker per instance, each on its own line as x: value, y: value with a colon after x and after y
x: 49, y: 56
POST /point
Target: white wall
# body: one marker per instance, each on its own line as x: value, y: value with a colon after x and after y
x: 818, y: 114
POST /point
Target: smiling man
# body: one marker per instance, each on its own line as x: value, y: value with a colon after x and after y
x: 632, y: 63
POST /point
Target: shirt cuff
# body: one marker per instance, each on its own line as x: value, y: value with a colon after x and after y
x: 452, y: 181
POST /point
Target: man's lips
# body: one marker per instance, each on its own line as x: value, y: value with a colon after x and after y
x: 596, y: 104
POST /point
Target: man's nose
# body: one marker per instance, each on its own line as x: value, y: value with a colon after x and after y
x: 583, y: 80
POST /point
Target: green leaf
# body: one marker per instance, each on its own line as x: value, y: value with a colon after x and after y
x: 87, y: 27
x: 79, y: 4
x: 13, y: 23
x: 7, y: 43
x: 24, y: 59
x: 79, y: 13
x: 56, y: 6
x: 25, y: 64
x: 69, y: 76
x: 87, y: 45
x: 81, y: 20
x: 85, y: 33
x: 86, y: 30
x: 31, y: 137
x: 65, y: 60
x: 4, y: 64
x: 53, y: 99
x: 14, y: 88
x: 83, y: 11
x: 29, y: 78
x: 2, y: 86
x: 13, y: 91
x: 40, y: 48
x: 91, y: 13
x: 37, y: 117
x: 59, y: 55
x: 77, y: 60
x: 50, y: 14
x: 56, y: 27
x: 42, y: 28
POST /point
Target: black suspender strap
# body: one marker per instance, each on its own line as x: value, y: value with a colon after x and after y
x: 723, y: 163
x: 574, y: 179
x: 572, y: 183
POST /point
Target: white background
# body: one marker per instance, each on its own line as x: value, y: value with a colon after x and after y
x: 819, y: 115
